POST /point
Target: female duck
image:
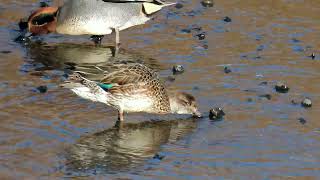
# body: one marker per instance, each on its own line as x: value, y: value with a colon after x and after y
x: 98, y: 18
x: 133, y: 88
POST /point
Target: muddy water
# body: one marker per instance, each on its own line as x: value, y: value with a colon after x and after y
x: 57, y: 135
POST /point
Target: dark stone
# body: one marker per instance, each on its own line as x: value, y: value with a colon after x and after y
x: 207, y: 3
x: 306, y: 103
x: 5, y: 52
x: 216, y: 113
x: 178, y: 69
x: 302, y: 120
x: 178, y: 6
x: 158, y: 156
x: 249, y: 100
x: 281, y: 87
x: 42, y: 89
x: 227, y: 70
x: 201, y: 36
x: 264, y: 83
x: 267, y: 96
x: 227, y: 19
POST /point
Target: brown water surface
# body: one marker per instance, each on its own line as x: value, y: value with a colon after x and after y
x: 57, y: 134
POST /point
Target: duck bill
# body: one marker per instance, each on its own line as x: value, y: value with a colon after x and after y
x: 43, y: 20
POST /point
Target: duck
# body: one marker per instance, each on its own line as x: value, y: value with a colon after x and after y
x: 94, y: 17
x: 132, y: 88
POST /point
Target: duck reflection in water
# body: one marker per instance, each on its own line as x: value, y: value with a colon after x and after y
x: 83, y: 57
x: 125, y: 147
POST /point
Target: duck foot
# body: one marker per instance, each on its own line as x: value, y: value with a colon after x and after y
x: 97, y: 39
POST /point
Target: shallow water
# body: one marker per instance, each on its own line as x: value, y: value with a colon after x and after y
x: 57, y: 135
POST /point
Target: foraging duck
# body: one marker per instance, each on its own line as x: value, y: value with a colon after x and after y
x: 133, y: 88
x: 98, y: 18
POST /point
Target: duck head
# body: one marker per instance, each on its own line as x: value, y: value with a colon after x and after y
x: 43, y: 21
x: 184, y: 103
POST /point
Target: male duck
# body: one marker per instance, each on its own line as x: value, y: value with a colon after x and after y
x: 133, y: 88
x: 93, y: 17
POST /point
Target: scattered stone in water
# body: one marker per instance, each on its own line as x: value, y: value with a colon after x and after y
x: 281, y: 87
x: 227, y: 19
x: 158, y: 156
x: 216, y: 113
x: 227, y: 70
x: 178, y: 6
x: 178, y: 69
x: 42, y: 89
x: 302, y: 120
x: 267, y: 96
x: 201, y: 36
x: 313, y: 56
x: 5, y: 52
x: 207, y: 3
x: 264, y: 83
x: 306, y: 103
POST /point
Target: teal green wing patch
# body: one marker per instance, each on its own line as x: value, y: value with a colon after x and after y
x: 105, y: 87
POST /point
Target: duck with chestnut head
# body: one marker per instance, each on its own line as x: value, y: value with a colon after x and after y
x: 133, y: 88
x: 97, y: 18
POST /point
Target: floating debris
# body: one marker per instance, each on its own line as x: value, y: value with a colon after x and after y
x: 227, y: 70
x: 227, y: 19
x: 158, y: 156
x: 178, y: 69
x: 42, y: 89
x: 306, y: 103
x: 216, y: 113
x: 281, y: 87
x: 302, y: 120
x: 207, y: 3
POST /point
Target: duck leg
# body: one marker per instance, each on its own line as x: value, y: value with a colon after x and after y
x: 120, y: 115
x: 97, y: 39
x: 117, y: 39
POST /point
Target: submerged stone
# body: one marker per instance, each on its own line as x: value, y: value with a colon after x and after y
x: 227, y: 70
x: 42, y: 89
x: 207, y: 3
x: 158, y: 156
x: 302, y: 120
x: 227, y: 19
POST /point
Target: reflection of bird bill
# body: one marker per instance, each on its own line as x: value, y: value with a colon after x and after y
x: 126, y: 147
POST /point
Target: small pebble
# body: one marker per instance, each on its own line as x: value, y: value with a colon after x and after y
x: 281, y: 87
x: 313, y: 56
x: 207, y: 3
x: 267, y: 96
x: 178, y: 6
x: 178, y: 69
x: 201, y: 36
x: 216, y: 113
x: 306, y: 103
x: 158, y: 156
x: 294, y: 102
x: 227, y: 19
x: 227, y: 70
x: 302, y: 120
x: 42, y: 89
